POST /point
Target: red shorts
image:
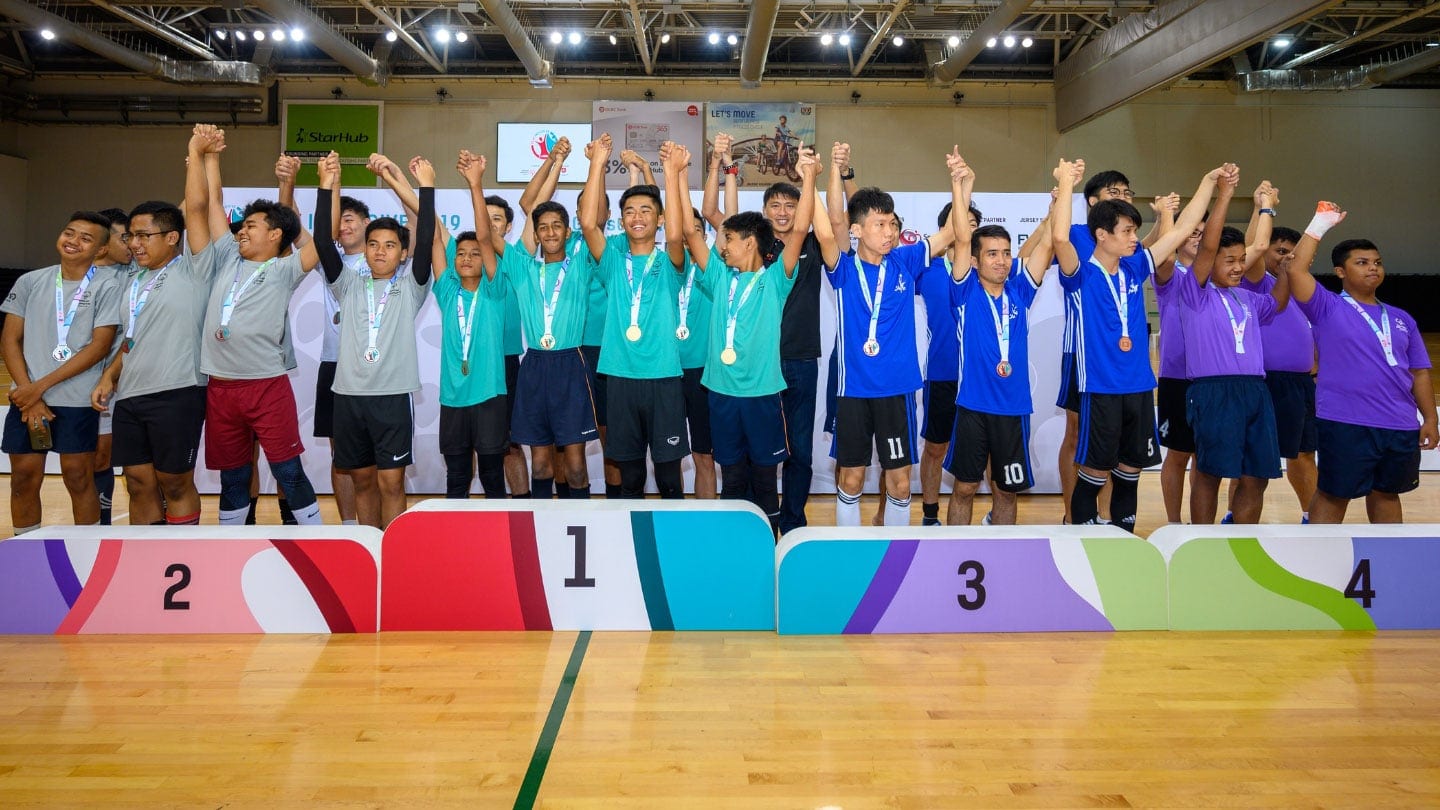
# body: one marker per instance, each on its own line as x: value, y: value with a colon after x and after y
x: 237, y: 412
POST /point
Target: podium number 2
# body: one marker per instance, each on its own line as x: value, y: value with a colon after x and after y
x: 975, y: 577
x: 183, y: 571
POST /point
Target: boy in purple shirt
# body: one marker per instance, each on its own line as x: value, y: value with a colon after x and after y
x: 1227, y: 406
x: 1374, y: 376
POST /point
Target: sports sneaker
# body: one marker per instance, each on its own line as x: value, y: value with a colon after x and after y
x: 1229, y: 518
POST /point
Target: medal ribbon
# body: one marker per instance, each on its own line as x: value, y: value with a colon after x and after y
x: 1237, y: 329
x: 549, y: 306
x: 1002, y: 322
x: 467, y: 324
x: 872, y: 302
x: 685, y: 290
x: 139, y: 297
x: 732, y: 308
x: 630, y: 279
x: 374, y: 312
x: 232, y: 298
x: 1382, y: 332
x: 63, y: 316
x: 1121, y: 298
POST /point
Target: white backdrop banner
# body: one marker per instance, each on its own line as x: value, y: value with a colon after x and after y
x: 1017, y: 212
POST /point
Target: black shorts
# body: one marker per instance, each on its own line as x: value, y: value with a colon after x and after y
x: 1293, y: 395
x: 1117, y: 429
x: 512, y: 380
x: 1174, y: 429
x: 554, y: 403
x: 939, y: 401
x: 160, y: 429
x: 1234, y: 427
x: 482, y: 428
x: 697, y: 412
x: 648, y: 414
x: 1069, y: 396
x: 1355, y: 460
x: 373, y: 431
x: 597, y: 384
x: 886, y: 423
x: 1004, y: 441
x: 74, y: 430
x: 324, y: 414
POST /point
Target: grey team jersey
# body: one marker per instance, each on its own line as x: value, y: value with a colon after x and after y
x: 398, y: 369
x: 166, y: 354
x: 330, y: 338
x: 33, y: 298
x: 255, y: 347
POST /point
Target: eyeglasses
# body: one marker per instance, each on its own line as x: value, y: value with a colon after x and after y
x: 1117, y: 191
x: 142, y: 235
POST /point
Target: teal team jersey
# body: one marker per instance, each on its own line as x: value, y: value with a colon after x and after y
x: 524, y: 272
x: 486, y: 363
x: 656, y: 354
x: 694, y: 349
x: 595, y: 317
x: 756, y: 370
x: 514, y: 344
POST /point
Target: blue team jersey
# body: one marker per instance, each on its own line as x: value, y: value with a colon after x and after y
x: 1085, y: 248
x: 942, y: 356
x: 981, y: 388
x: 896, y: 368
x: 1101, y: 366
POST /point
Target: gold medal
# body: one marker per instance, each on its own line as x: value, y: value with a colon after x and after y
x: 728, y: 357
x: 633, y: 333
x: 547, y: 342
x: 682, y: 333
x: 1125, y: 344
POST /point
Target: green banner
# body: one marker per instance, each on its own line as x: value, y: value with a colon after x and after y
x: 311, y: 129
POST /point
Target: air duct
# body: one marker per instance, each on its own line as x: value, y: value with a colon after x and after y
x: 758, y: 30
x: 538, y: 69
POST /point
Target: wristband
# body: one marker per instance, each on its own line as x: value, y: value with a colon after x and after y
x: 733, y: 168
x: 1327, y: 216
x: 1269, y: 211
x: 848, y: 174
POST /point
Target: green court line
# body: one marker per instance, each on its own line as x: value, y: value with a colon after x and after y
x: 530, y: 788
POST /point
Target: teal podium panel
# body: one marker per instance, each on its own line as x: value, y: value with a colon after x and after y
x: 579, y: 565
x: 190, y: 579
x: 986, y: 579
x: 1271, y: 577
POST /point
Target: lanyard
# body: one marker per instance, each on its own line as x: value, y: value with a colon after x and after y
x: 636, y: 291
x: 1121, y: 298
x: 139, y: 297
x: 63, y: 316
x: 732, y: 307
x: 1237, y: 329
x: 232, y: 298
x: 467, y: 327
x: 685, y: 291
x: 1382, y: 332
x: 872, y: 302
x: 375, y: 312
x: 549, y: 305
x: 1001, y: 317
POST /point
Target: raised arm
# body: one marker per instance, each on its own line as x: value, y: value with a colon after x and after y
x: 678, y: 216
x: 421, y: 259
x: 598, y: 153
x: 286, y: 167
x: 472, y: 168
x: 1066, y: 175
x: 809, y: 168
x: 675, y: 244
x: 197, y: 196
x: 1190, y: 215
x: 835, y: 194
x: 542, y: 183
x: 325, y: 196
x: 1302, y: 284
x: 639, y: 167
x: 215, y: 213
x: 1210, y: 240
x: 710, y: 202
x: 962, y: 184
x: 1257, y: 234
x: 1038, y: 250
x: 1165, y: 208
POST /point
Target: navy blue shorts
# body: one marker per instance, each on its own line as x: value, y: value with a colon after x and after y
x: 598, y: 384
x: 1293, y: 395
x: 1069, y: 396
x: 697, y: 412
x: 748, y: 429
x: 73, y: 430
x: 1234, y: 426
x: 1174, y: 427
x: 1355, y: 460
x: 939, y: 402
x: 554, y: 403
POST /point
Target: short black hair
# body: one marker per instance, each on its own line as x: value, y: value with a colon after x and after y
x: 466, y: 236
x: 1230, y: 237
x: 987, y: 232
x: 1285, y: 235
x: 165, y: 216
x: 943, y: 220
x: 786, y: 190
x: 549, y: 207
x: 869, y: 200
x: 1104, y: 180
x: 276, y: 216
x: 1342, y: 251
x: 348, y: 203
x: 643, y: 190
x: 117, y: 216
x: 1105, y: 214
x: 751, y: 223
x: 389, y: 224
x: 504, y: 205
x: 92, y: 217
x: 604, y: 197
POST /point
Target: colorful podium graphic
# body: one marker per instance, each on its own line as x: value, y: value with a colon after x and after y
x: 1346, y: 577
x: 191, y: 579
x: 968, y: 580
x: 578, y: 565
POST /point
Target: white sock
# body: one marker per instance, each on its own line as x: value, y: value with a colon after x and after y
x: 234, y: 517
x: 847, y: 508
x: 349, y: 523
x: 897, y: 513
x: 19, y: 530
x: 307, y: 515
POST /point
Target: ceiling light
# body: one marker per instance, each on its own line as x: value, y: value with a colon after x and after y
x: 297, y: 34
x: 240, y: 35
x: 556, y: 37
x: 574, y: 38
x: 826, y: 39
x: 219, y: 33
x: 845, y: 38
x: 278, y: 35
x: 733, y: 40
x: 1009, y: 41
x: 613, y: 40
x: 664, y: 38
x: 897, y: 41
x: 990, y: 43
x: 442, y: 35
x: 1282, y: 43
x: 714, y: 38
x: 391, y: 36
x: 953, y: 41
x: 1026, y: 42
x: 46, y: 34
x: 461, y: 36
x: 259, y: 36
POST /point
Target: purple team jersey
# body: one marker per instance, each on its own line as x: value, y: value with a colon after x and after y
x: 1356, y: 384
x: 1209, y: 333
x: 1172, y: 338
x: 1289, y: 346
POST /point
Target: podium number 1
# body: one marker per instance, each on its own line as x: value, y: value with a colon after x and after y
x: 183, y: 571
x: 579, y: 580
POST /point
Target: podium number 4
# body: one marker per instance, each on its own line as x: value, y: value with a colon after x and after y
x: 1359, y: 585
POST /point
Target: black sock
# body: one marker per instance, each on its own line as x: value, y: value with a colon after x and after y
x: 612, y: 491
x: 1124, y: 498
x: 287, y: 518
x: 580, y: 493
x: 1084, y: 499
x: 562, y: 488
x: 492, y: 475
x: 541, y: 487
x: 632, y: 478
x: 669, y: 480
x: 105, y: 488
x: 250, y: 516
x: 931, y: 512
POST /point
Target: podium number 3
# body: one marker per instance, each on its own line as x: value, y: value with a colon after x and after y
x: 974, y: 574
x: 183, y: 571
